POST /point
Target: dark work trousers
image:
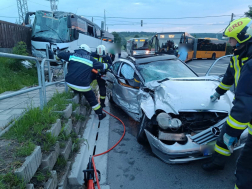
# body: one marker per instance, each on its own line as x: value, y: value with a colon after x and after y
x: 102, y: 87
x: 91, y: 98
x: 244, y: 166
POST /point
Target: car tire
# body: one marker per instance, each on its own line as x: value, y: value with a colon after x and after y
x: 213, y: 56
x: 141, y: 136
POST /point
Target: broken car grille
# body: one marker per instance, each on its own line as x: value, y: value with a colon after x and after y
x: 209, y: 134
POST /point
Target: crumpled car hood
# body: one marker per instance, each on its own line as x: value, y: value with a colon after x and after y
x: 177, y: 95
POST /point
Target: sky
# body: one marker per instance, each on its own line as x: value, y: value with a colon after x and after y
x: 168, y: 10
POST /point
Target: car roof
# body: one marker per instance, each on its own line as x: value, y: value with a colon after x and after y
x: 154, y: 58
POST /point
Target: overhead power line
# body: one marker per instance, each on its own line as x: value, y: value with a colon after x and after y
x: 216, y: 16
x: 7, y: 7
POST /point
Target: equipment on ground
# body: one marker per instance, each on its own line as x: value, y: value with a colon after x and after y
x: 91, y: 170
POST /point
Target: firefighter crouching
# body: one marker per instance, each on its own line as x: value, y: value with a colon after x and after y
x: 79, y: 76
x: 239, y: 73
x: 100, y: 55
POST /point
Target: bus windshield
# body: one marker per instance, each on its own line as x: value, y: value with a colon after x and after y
x: 169, y: 40
x: 140, y: 44
x: 50, y: 29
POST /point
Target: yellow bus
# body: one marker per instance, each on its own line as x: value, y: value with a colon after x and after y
x: 209, y: 48
x: 168, y: 43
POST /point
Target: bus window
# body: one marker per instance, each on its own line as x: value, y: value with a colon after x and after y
x: 98, y: 33
x: 82, y: 25
x: 90, y: 30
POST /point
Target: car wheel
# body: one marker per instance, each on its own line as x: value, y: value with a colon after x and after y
x: 214, y: 56
x: 141, y: 136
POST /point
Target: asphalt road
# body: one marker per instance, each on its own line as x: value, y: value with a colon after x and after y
x: 133, y: 166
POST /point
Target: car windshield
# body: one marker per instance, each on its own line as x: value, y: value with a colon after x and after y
x: 160, y: 70
x: 50, y: 28
x: 140, y: 44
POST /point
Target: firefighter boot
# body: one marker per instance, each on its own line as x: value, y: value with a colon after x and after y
x: 101, y: 116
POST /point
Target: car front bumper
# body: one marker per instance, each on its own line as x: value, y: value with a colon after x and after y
x: 183, y: 153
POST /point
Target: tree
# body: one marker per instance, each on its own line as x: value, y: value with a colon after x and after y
x: 117, y: 39
x: 249, y: 13
x: 136, y: 36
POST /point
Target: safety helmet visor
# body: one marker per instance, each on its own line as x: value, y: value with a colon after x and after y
x: 246, y: 33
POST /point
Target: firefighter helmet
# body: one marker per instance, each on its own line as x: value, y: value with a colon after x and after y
x: 101, y: 50
x: 240, y: 29
x: 85, y: 47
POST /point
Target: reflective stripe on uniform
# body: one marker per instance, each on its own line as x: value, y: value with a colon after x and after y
x: 96, y: 107
x: 236, y: 187
x: 224, y: 87
x: 79, y: 88
x: 136, y: 80
x: 105, y: 66
x: 236, y: 124
x: 244, y: 59
x: 222, y: 151
x: 231, y: 64
x: 81, y: 60
x: 100, y: 59
x: 237, y: 69
x: 102, y: 97
x: 250, y: 128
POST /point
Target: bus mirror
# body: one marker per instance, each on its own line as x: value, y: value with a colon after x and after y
x: 69, y: 24
x: 27, y: 16
x: 74, y: 34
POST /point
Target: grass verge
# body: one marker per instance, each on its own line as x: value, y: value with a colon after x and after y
x: 14, y: 75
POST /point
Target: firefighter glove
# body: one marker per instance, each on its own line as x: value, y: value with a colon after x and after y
x: 215, y: 96
x: 230, y: 141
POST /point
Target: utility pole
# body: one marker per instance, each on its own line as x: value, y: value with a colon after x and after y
x: 232, y: 17
x: 54, y: 5
x: 22, y: 10
x: 92, y: 19
x: 107, y: 29
x: 104, y: 20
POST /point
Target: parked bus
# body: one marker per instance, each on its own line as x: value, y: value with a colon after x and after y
x: 209, y: 48
x: 138, y: 47
x: 64, y: 31
x: 168, y: 43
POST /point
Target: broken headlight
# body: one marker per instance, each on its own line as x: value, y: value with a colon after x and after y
x: 165, y: 121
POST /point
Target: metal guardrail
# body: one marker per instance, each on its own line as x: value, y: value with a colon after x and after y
x: 44, y: 84
x: 41, y: 77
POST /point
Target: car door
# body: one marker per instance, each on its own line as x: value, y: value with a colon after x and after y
x: 111, y: 77
x: 125, y: 90
x: 219, y: 67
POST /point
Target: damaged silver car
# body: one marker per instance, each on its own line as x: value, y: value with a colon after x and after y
x: 172, y: 104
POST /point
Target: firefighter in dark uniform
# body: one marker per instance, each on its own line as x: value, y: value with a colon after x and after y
x: 238, y: 73
x: 100, y: 55
x: 79, y: 76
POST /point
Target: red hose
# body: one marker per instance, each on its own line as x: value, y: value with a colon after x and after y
x: 96, y: 175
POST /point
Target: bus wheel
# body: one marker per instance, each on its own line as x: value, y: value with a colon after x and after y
x: 213, y: 56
